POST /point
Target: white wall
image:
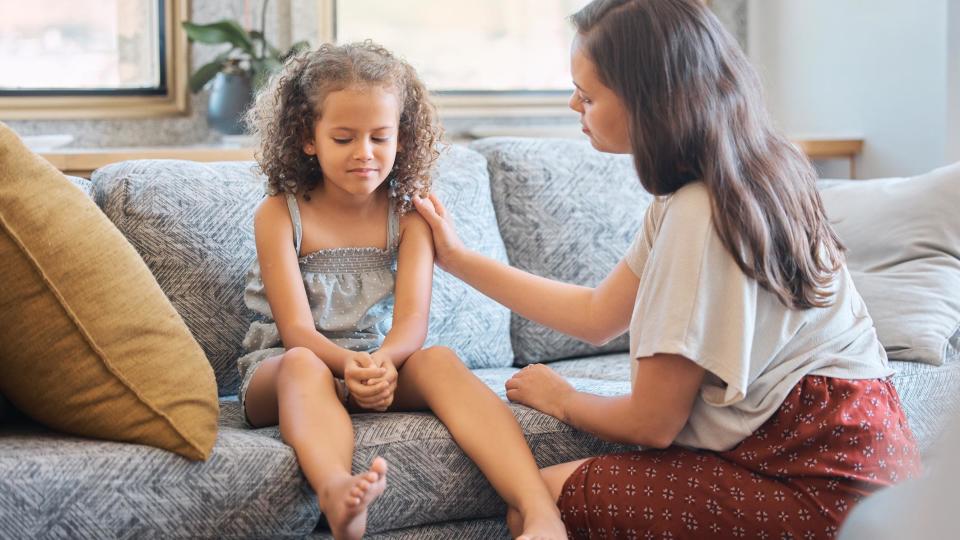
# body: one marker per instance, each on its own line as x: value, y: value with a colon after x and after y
x: 875, y: 68
x: 953, y: 80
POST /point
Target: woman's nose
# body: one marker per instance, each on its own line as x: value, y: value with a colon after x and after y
x: 574, y: 103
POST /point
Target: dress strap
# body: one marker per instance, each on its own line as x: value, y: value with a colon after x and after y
x: 295, y: 218
x: 393, y: 227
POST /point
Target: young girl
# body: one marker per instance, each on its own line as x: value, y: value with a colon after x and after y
x: 342, y: 286
x: 758, y: 380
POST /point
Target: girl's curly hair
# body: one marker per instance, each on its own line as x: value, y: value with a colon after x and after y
x: 285, y: 111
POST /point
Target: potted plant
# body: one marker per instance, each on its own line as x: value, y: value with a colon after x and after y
x: 237, y: 72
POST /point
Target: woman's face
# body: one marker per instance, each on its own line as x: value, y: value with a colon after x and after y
x: 602, y: 114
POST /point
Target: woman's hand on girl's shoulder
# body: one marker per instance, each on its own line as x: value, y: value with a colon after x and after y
x: 446, y: 243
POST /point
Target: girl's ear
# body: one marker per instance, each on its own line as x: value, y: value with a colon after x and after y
x: 309, y: 148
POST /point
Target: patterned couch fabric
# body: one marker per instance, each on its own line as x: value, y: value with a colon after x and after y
x: 566, y: 212
x: 56, y: 486
x: 85, y: 186
x: 930, y: 396
x: 193, y: 225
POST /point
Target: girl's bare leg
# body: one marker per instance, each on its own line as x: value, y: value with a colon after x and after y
x: 297, y: 390
x: 554, y: 476
x: 486, y: 430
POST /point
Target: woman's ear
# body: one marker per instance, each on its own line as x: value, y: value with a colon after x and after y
x: 309, y: 148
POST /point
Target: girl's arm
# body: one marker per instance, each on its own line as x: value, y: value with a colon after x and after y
x: 283, y: 283
x: 664, y: 391
x: 411, y: 312
x: 595, y: 315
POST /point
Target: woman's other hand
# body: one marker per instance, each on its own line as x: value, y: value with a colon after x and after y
x: 446, y: 243
x: 542, y: 388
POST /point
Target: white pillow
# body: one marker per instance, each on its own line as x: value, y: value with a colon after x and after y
x: 903, y: 241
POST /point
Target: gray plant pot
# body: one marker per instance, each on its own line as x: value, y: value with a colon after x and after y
x: 230, y: 96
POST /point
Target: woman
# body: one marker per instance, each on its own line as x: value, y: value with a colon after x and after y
x: 759, y: 384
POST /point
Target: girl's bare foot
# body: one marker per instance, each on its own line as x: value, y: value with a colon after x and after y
x: 345, y: 500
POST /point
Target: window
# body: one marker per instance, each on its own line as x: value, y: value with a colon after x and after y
x: 500, y: 57
x: 92, y: 58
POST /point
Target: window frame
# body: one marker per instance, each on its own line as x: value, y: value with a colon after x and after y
x: 473, y: 103
x: 102, y: 104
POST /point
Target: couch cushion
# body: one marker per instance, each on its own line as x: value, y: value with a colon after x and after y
x: 566, y: 212
x: 88, y: 343
x: 461, y: 318
x: 930, y: 396
x: 84, y: 184
x: 903, y: 240
x: 54, y: 486
x: 193, y: 225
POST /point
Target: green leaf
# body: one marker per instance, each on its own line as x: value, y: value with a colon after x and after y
x: 224, y: 31
x: 296, y: 48
x: 206, y: 72
x: 269, y: 50
x: 262, y: 70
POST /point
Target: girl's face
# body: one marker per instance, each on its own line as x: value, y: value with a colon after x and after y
x: 355, y: 138
x: 602, y: 113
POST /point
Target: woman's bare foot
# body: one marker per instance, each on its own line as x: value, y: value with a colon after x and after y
x: 345, y: 500
x: 545, y: 525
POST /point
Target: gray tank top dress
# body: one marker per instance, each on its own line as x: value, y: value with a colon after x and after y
x: 350, y: 291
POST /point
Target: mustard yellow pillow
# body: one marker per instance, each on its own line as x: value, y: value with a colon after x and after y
x: 89, y: 344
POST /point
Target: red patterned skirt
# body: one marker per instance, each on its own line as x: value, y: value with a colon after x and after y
x: 831, y: 443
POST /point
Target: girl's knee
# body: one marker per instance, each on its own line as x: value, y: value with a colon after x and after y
x: 434, y: 359
x: 301, y: 363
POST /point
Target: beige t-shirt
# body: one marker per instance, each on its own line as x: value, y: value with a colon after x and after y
x: 694, y: 301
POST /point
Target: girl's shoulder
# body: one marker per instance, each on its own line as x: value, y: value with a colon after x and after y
x: 413, y: 222
x: 272, y: 212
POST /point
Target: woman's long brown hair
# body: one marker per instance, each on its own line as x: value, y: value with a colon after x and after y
x: 697, y: 113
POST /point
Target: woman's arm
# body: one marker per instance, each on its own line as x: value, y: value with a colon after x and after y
x: 595, y: 315
x: 283, y: 283
x: 664, y: 391
x: 411, y: 312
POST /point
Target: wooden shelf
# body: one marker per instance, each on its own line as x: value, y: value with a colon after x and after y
x: 83, y: 161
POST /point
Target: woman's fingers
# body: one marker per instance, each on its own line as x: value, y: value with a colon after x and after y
x: 426, y: 209
x: 438, y: 206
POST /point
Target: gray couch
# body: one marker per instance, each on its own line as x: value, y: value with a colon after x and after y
x: 534, y: 203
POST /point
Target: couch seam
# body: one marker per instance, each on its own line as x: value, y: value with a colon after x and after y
x: 101, y: 355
